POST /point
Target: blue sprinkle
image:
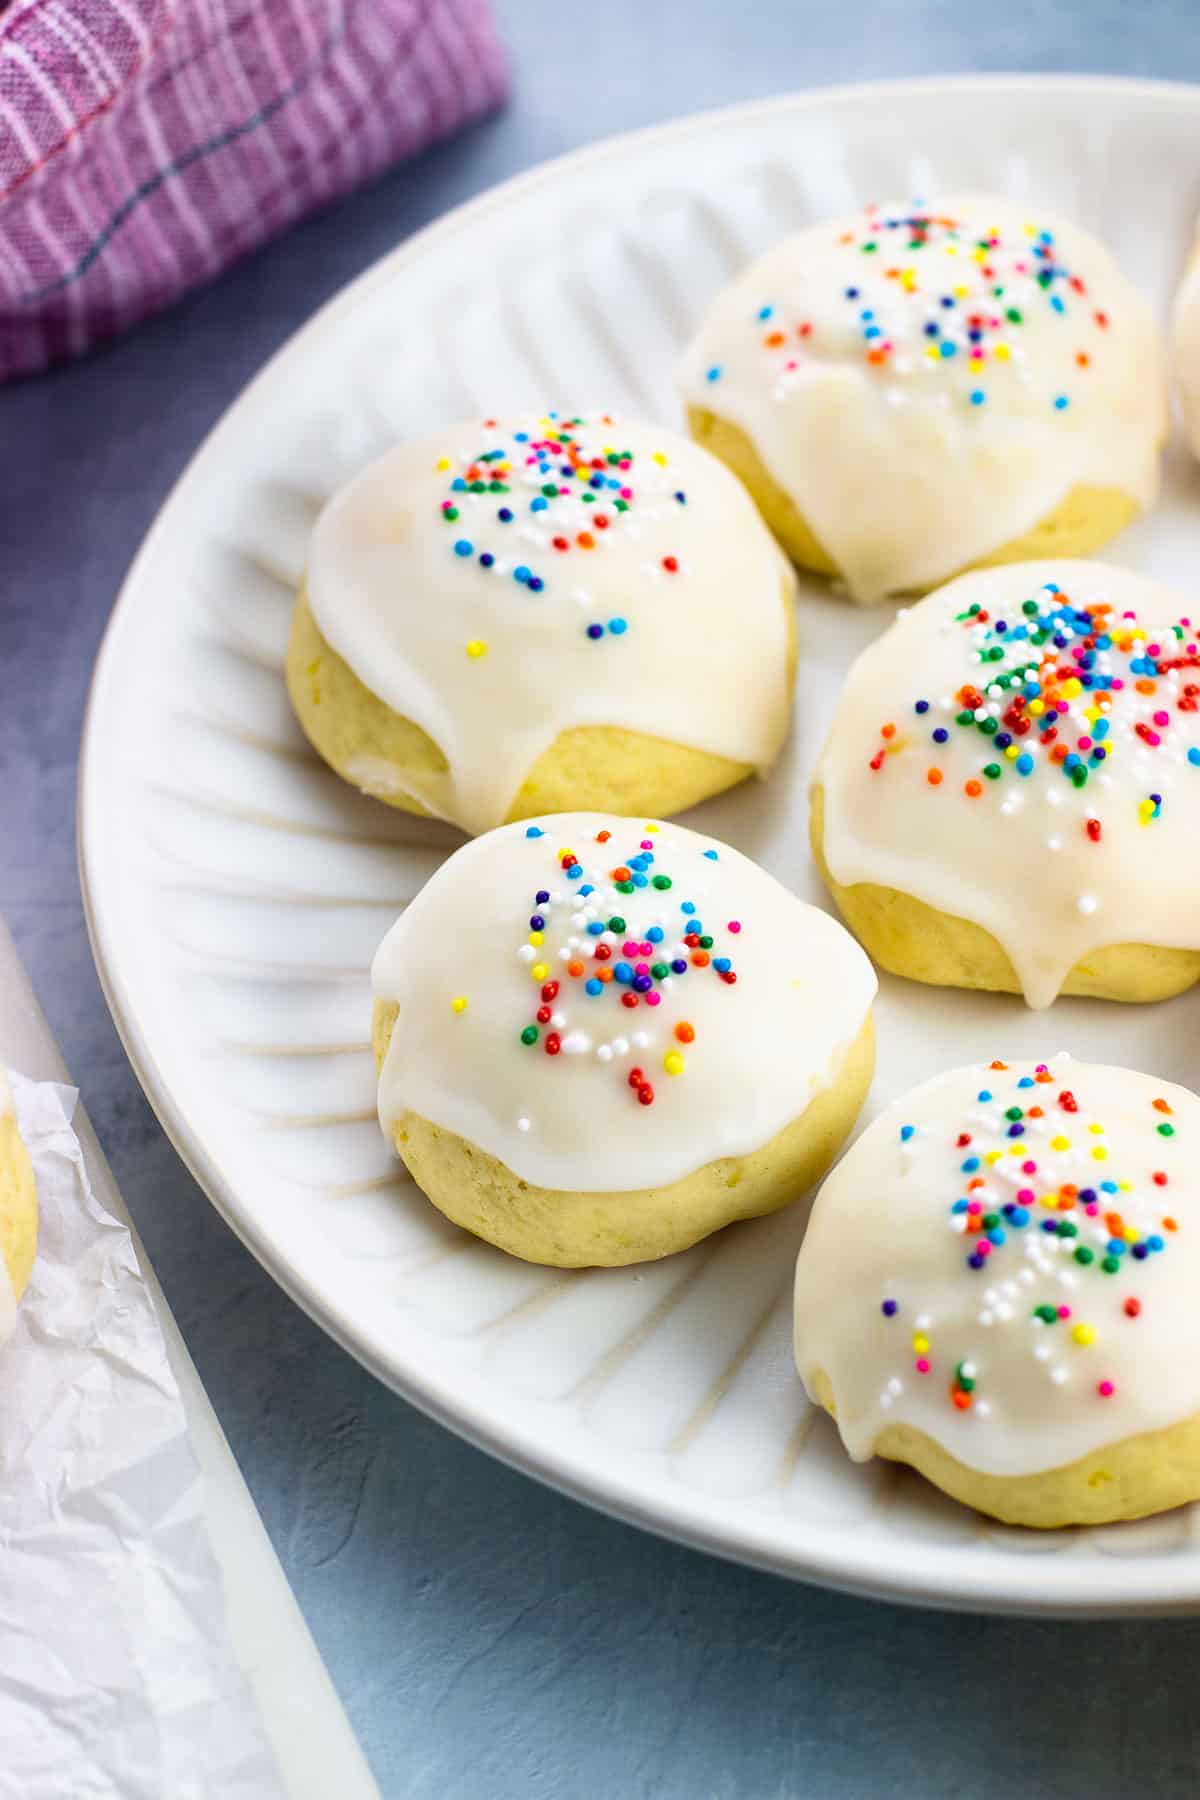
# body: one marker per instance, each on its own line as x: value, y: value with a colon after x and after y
x: 522, y: 437
x: 538, y: 505
x: 1056, y: 303
x: 596, y: 928
x: 932, y: 329
x: 536, y: 584
x: 689, y: 906
x: 1025, y: 1081
x: 1154, y: 1242
x: 976, y: 1261
x: 985, y: 1095
x: 922, y: 706
x: 1109, y: 1187
x: 595, y: 631
x: 889, y: 1309
x: 458, y: 485
x: 1024, y: 763
x: 618, y: 627
x: 906, y: 1131
x: 680, y: 496
x: 1061, y: 403
x: 622, y: 973
x: 764, y: 312
x: 586, y: 889
x: 1116, y: 1246
x: 640, y: 880
x: 575, y: 872
x: 852, y: 293
x: 996, y: 1236
x: 521, y: 573
x: 1019, y: 1216
x: 714, y: 374
x: 960, y: 1206
x: 721, y: 964
x: 654, y: 935
x: 679, y: 966
x: 593, y: 986
x: 711, y: 855
x: 1194, y: 757
x: 947, y: 348
x: 505, y: 515
x: 970, y: 1166
x: 940, y: 735
x: 977, y: 397
x: 486, y: 559
x: 536, y: 831
x: 463, y: 547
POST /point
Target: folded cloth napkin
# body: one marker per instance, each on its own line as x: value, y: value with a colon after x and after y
x: 144, y: 144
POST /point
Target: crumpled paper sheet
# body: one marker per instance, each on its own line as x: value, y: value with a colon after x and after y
x: 117, y: 1676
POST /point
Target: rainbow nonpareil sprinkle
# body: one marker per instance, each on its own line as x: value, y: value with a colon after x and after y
x: 610, y: 937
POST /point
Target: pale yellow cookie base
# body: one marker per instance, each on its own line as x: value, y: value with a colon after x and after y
x: 591, y: 768
x: 571, y: 1231
x: 908, y: 937
x: 1087, y: 518
x: 18, y: 1206
x: 1149, y: 1473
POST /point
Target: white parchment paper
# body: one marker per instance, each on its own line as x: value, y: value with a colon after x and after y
x: 117, y: 1676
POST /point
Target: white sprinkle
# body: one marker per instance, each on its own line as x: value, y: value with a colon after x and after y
x: 575, y: 1043
x: 983, y: 1409
x: 558, y: 1020
x: 1058, y: 1376
x: 604, y: 1052
x: 895, y: 1385
x: 522, y: 1124
x: 924, y: 1322
x: 620, y: 1046
x: 641, y: 1040
x: 1053, y: 797
x: 1043, y: 1352
x: 1054, y: 843
x: 526, y: 953
x: 970, y: 1370
x: 986, y: 1318
x: 1086, y: 903
x: 885, y: 1400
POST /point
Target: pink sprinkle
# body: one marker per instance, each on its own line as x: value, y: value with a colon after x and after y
x: 1029, y: 1168
x: 1025, y: 1196
x: 1091, y: 1209
x: 1162, y: 718
x: 652, y: 998
x: 1116, y: 681
x: 1064, y: 1312
x: 627, y: 493
x: 1105, y: 1389
x: 922, y: 1365
x: 646, y: 844
x: 1062, y: 706
x: 641, y: 968
x: 735, y: 925
x: 629, y: 947
x: 974, y: 1206
x: 984, y: 1247
x: 1085, y: 743
x: 645, y: 949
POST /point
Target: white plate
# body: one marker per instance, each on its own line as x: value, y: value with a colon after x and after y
x: 236, y: 889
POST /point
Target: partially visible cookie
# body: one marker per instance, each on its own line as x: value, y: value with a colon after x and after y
x: 18, y: 1212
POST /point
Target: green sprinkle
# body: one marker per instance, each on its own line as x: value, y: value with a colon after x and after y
x: 660, y: 971
x: 964, y: 718
x: 1110, y: 1264
x: 1084, y: 1255
x: 706, y: 943
x: 1165, y: 1130
x: 529, y: 1035
x: 661, y: 882
x: 1014, y: 1113
x: 616, y: 923
x: 624, y: 887
x: 550, y: 490
x: 1047, y: 1314
x: 1066, y: 1229
x: 993, y: 771
x: 1014, y: 316
x: 450, y: 514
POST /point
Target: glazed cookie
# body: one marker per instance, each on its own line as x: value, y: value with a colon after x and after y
x: 911, y: 392
x: 998, y: 1286
x: 1010, y: 794
x: 600, y: 1039
x: 18, y: 1212
x: 537, y: 615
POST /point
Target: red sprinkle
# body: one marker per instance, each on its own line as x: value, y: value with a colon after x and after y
x: 1132, y: 1307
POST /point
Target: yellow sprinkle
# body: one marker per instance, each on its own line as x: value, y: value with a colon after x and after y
x: 443, y: 462
x: 1099, y: 1153
x: 1072, y: 687
x: 652, y: 827
x: 1146, y: 811
x: 1013, y: 751
x: 537, y: 937
x: 920, y: 1343
x: 992, y: 1156
x: 1060, y: 1143
x: 979, y: 253
x: 1050, y: 1200
x: 1125, y: 1186
x: 459, y: 1003
x: 1130, y: 1234
x: 539, y: 971
x: 673, y: 1063
x: 476, y: 648
x: 1014, y: 1150
x: 1096, y: 1130
x: 1001, y: 352
x: 1084, y: 1334
x: 933, y: 353
x: 660, y: 459
x: 960, y: 293
x: 1037, y: 707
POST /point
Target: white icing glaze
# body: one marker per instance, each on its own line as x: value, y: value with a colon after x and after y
x: 820, y: 353
x: 1017, y: 858
x: 8, y: 1299
x: 764, y: 1044
x: 883, y: 1230
x: 697, y: 586
x: 1185, y: 350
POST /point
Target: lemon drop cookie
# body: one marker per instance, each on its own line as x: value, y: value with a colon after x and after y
x: 1009, y: 797
x: 601, y: 1039
x: 531, y: 615
x: 18, y: 1212
x: 915, y: 390
x: 998, y: 1285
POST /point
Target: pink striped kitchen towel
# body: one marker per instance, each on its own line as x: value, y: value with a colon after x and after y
x: 146, y: 143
